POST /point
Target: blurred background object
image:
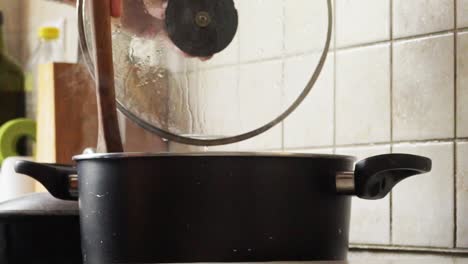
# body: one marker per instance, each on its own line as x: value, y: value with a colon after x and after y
x: 13, y: 185
x: 12, y: 92
x: 48, y: 50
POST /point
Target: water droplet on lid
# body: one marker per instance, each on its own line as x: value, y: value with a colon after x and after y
x: 161, y: 73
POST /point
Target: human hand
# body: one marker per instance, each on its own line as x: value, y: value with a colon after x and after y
x: 145, y: 18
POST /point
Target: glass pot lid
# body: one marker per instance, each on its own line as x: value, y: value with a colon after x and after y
x: 213, y: 72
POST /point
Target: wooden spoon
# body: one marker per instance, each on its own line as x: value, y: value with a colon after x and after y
x: 109, y: 139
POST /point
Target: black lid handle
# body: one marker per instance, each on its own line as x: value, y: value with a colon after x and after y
x: 376, y: 176
x: 57, y: 179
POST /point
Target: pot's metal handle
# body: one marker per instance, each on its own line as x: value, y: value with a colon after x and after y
x: 60, y: 180
x: 375, y: 177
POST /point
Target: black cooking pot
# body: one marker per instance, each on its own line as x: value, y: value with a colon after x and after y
x: 39, y: 229
x: 220, y: 207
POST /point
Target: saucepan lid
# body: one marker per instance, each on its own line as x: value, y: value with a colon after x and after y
x: 206, y: 72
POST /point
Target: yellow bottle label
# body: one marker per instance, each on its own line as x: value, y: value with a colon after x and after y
x: 29, y: 82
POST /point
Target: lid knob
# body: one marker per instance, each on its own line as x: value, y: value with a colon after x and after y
x: 201, y: 28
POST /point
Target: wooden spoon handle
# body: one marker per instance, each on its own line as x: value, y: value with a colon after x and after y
x: 109, y: 139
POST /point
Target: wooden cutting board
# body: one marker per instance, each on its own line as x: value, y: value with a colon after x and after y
x: 67, y: 117
x: 66, y: 112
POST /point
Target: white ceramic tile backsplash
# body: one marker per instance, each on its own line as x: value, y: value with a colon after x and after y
x: 327, y: 151
x: 363, y: 95
x: 312, y: 123
x: 228, y: 57
x: 218, y: 101
x: 462, y: 195
x: 268, y: 141
x: 353, y: 24
x: 370, y: 220
x: 423, y: 88
x: 417, y: 17
x: 260, y: 94
x: 423, y: 206
x: 462, y: 85
x: 301, y: 30
x: 256, y: 16
x: 462, y: 13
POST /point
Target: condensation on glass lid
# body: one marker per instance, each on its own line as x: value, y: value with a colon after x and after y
x: 254, y: 80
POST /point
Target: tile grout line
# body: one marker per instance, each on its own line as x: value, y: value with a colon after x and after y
x: 410, y: 249
x: 455, y: 52
x: 283, y: 74
x: 376, y: 144
x: 335, y: 55
x: 238, y: 82
x: 335, y: 49
x: 455, y: 194
x: 391, y: 116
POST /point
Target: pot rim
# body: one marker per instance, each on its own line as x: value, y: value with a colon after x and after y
x: 132, y: 155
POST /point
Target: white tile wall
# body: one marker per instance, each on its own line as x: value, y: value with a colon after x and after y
x: 370, y: 220
x: 268, y: 141
x: 423, y: 206
x: 423, y: 88
x: 218, y: 101
x: 228, y: 57
x: 353, y: 24
x: 255, y: 16
x: 417, y: 17
x: 312, y: 123
x: 462, y: 195
x: 260, y: 94
x: 462, y: 13
x: 301, y: 20
x: 327, y: 151
x: 462, y: 85
x: 363, y: 95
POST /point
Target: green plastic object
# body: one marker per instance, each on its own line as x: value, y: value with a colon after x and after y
x: 10, y: 134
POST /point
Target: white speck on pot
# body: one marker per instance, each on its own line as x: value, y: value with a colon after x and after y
x: 340, y: 231
x: 234, y: 250
x: 271, y: 238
